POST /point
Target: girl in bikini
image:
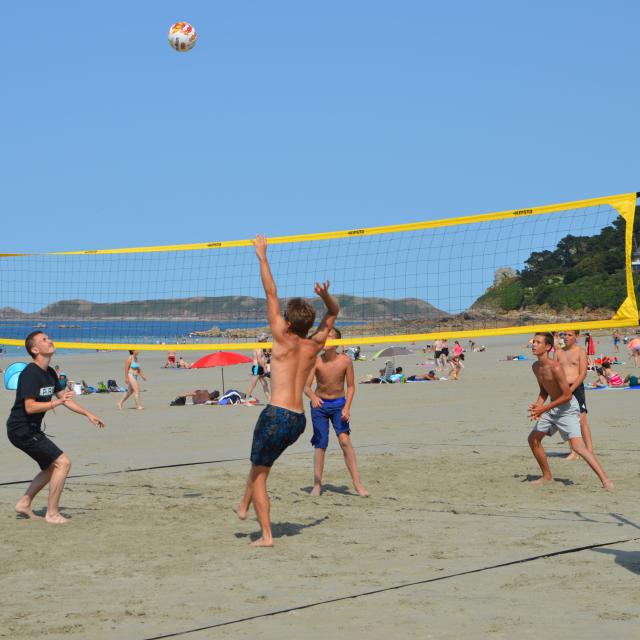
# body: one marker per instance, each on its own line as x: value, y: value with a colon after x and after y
x: 132, y: 371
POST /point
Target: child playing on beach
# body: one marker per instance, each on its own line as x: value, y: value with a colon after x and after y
x: 37, y: 387
x: 259, y: 369
x: 328, y: 403
x: 282, y: 421
x: 455, y: 367
x: 573, y: 360
x: 562, y: 413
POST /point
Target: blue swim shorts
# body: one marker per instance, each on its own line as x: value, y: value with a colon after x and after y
x: 276, y: 429
x: 330, y: 410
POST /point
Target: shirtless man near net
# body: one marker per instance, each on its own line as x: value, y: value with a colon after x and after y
x: 561, y: 413
x: 294, y: 353
x: 573, y: 360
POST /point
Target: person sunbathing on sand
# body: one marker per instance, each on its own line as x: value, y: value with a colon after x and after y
x: 431, y: 375
x: 606, y: 377
x: 561, y: 414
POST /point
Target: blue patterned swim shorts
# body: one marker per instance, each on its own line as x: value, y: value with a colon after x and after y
x: 276, y: 429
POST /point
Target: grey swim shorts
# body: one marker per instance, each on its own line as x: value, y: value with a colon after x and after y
x: 565, y: 419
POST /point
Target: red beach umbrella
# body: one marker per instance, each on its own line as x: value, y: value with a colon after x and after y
x: 221, y: 359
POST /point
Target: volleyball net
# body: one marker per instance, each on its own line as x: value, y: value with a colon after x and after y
x: 567, y: 265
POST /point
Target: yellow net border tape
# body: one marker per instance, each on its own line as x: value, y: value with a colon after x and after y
x: 619, y: 202
x: 356, y: 340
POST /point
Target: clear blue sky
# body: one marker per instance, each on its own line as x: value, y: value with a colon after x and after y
x: 293, y: 117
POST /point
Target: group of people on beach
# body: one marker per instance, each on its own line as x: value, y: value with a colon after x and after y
x: 175, y: 362
x: 561, y: 378
x: 296, y: 361
x: 444, y: 359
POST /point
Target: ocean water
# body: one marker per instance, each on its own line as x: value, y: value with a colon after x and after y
x: 143, y: 331
x: 125, y: 331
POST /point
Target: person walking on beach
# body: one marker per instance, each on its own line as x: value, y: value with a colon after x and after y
x: 573, y: 360
x: 132, y: 371
x: 590, y: 348
x: 437, y: 354
x: 616, y: 341
x: 444, y: 357
x: 39, y: 390
x: 561, y: 414
x: 293, y: 355
x: 634, y: 350
x: 328, y: 403
x: 259, y: 369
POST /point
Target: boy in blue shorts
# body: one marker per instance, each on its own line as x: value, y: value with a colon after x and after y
x: 282, y: 421
x: 328, y: 403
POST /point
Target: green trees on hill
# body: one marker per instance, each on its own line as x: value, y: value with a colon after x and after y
x: 582, y: 272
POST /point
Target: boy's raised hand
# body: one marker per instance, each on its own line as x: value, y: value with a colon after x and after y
x: 260, y: 244
x: 322, y: 290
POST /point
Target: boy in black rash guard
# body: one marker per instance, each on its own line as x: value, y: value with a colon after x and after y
x: 39, y: 390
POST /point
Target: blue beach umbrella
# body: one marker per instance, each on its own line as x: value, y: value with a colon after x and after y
x: 11, y: 375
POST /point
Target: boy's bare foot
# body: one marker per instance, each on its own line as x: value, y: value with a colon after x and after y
x: 608, y: 485
x: 261, y: 542
x: 362, y: 492
x: 56, y: 518
x: 316, y: 491
x: 140, y: 408
x: 23, y: 508
x: 542, y: 480
x: 241, y: 513
x: 572, y: 456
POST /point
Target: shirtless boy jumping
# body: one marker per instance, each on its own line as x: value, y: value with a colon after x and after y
x: 573, y: 360
x: 328, y: 402
x: 561, y: 414
x: 282, y: 421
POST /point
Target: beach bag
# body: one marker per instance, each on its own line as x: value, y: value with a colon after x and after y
x: 230, y: 397
x: 112, y: 385
x: 180, y: 401
x: 102, y: 387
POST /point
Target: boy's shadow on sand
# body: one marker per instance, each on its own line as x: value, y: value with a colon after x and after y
x: 283, y: 529
x: 333, y: 488
x: 41, y: 512
x: 630, y: 560
x: 530, y: 478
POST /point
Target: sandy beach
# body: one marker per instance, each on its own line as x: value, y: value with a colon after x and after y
x: 453, y: 541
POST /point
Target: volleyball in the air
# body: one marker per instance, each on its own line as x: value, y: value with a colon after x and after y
x: 182, y: 36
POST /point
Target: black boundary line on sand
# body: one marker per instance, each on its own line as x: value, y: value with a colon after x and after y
x: 297, y: 453
x: 179, y: 464
x: 275, y: 612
